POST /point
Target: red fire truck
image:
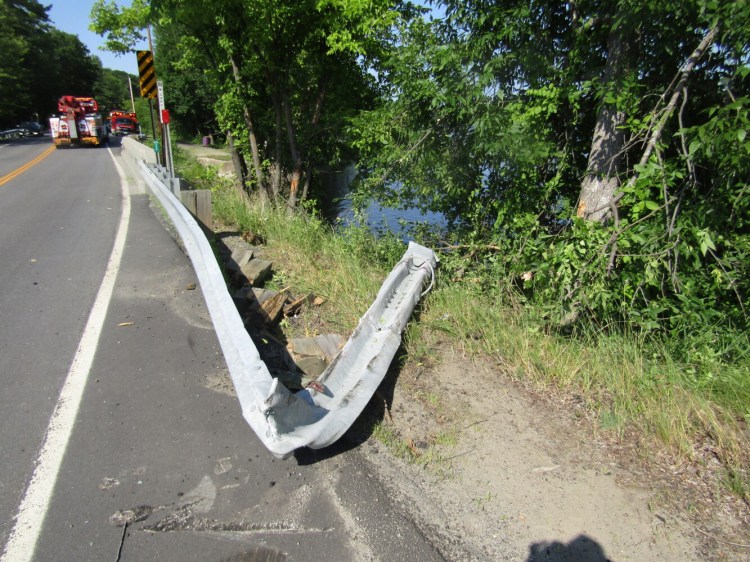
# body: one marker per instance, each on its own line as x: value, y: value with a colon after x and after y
x: 77, y: 123
x: 123, y: 122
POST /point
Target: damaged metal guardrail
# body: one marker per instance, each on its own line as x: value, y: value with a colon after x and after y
x: 318, y: 415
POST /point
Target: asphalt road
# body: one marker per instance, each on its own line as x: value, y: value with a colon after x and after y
x: 56, y: 232
x: 159, y: 464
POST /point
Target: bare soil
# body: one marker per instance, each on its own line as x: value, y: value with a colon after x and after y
x: 522, y: 474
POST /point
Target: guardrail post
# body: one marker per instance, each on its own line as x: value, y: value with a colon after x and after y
x: 198, y: 202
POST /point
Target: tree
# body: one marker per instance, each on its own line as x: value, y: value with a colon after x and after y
x: 40, y: 63
x: 61, y: 64
x: 112, y: 90
x: 21, y: 21
x: 191, y: 91
x: 574, y: 135
x: 274, y: 68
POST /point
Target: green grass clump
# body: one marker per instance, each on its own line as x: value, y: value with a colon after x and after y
x: 310, y: 256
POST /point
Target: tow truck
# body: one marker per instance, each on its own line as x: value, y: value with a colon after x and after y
x: 78, y: 122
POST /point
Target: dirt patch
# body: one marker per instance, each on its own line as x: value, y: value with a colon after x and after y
x: 219, y: 381
x: 526, y: 476
x: 200, y: 151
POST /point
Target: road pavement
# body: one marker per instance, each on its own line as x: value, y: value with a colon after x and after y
x: 159, y: 463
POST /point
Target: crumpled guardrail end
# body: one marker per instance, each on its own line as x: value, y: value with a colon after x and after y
x: 286, y: 421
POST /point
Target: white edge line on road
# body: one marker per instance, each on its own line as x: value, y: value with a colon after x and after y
x: 33, y: 508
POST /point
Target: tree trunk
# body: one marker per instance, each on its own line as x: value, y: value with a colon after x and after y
x: 293, y: 151
x: 238, y: 161
x: 276, y: 168
x: 315, y: 120
x: 250, y: 128
x: 602, y: 181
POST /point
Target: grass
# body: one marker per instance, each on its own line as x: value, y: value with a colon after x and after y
x: 629, y: 386
x: 626, y: 385
x: 309, y: 257
x: 431, y: 455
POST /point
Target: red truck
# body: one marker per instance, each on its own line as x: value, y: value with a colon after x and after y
x: 123, y: 122
x: 77, y: 123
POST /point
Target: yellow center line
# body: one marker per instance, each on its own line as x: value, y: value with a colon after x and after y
x: 18, y: 171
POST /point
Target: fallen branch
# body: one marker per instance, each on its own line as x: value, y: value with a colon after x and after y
x: 717, y: 539
x: 490, y: 247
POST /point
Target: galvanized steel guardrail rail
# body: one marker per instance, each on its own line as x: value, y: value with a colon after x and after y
x: 313, y: 417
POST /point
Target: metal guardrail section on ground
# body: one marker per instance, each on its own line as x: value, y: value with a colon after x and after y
x: 285, y: 421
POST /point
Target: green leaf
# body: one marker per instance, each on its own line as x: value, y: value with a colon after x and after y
x: 741, y: 134
x: 706, y: 243
x: 651, y: 205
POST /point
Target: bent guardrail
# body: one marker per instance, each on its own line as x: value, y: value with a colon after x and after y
x: 318, y: 415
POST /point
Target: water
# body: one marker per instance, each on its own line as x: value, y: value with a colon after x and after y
x: 338, y: 208
x: 398, y: 221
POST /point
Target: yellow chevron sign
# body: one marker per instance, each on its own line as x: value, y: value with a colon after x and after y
x: 147, y: 74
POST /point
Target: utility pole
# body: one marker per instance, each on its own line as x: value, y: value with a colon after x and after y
x: 132, y: 101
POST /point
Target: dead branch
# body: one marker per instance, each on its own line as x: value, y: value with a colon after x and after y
x: 687, y: 68
x: 406, y: 155
x: 613, y: 251
x: 679, y: 89
x: 490, y: 247
x: 731, y: 282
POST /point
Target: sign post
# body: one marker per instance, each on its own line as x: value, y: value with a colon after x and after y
x: 147, y: 82
x: 164, y: 113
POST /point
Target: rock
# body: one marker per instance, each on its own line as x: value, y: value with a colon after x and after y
x: 330, y: 344
x: 305, y: 347
x: 258, y: 295
x: 225, y: 169
x: 312, y: 366
x: 239, y: 259
x: 256, y: 271
x: 325, y: 346
x: 249, y: 298
x: 271, y: 307
x: 294, y: 306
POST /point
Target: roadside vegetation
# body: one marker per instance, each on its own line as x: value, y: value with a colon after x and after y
x: 591, y: 161
x: 634, y: 386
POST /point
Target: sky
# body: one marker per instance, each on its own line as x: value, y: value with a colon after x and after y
x: 72, y: 16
